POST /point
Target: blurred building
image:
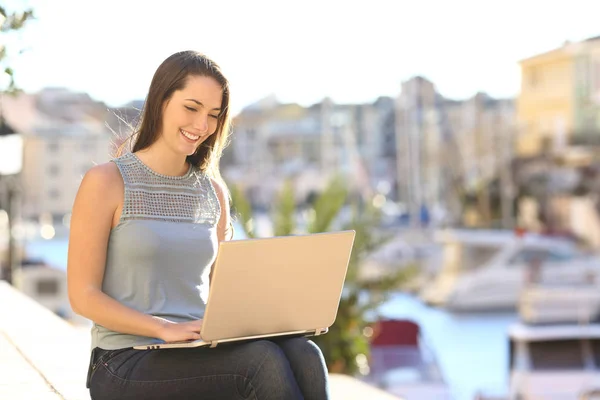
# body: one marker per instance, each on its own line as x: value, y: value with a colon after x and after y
x: 418, y: 138
x: 559, y: 102
x: 64, y: 134
x: 273, y: 142
x: 448, y: 149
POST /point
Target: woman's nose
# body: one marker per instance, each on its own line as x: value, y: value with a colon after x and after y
x: 201, y: 124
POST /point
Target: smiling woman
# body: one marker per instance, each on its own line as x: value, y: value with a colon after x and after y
x: 188, y: 96
x: 144, y: 234
x: 190, y: 119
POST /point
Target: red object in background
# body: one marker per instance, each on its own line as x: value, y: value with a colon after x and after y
x: 520, y: 232
x: 395, y: 333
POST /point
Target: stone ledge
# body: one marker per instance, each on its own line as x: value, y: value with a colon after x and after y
x: 43, y: 357
x: 47, y: 350
x: 18, y: 378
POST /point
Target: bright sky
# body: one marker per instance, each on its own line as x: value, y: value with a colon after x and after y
x: 352, y: 51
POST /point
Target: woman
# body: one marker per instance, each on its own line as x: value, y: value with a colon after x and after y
x: 144, y: 234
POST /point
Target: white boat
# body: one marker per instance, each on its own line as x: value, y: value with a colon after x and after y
x: 543, y: 303
x: 487, y: 270
x: 402, y: 364
x: 48, y: 286
x: 45, y: 284
x: 554, y: 362
x: 554, y: 352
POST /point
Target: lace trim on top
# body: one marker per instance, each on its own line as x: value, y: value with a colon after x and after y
x: 150, y: 195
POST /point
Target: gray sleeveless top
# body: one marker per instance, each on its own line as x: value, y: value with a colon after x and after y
x: 159, y: 255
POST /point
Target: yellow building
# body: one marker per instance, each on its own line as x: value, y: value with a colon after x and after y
x: 559, y: 102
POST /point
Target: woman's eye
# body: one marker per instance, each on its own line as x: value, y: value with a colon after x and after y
x: 214, y: 116
x: 190, y: 109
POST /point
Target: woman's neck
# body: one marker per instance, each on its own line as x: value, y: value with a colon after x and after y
x: 163, y: 161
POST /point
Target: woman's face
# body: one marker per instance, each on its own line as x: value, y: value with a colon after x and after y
x: 191, y: 115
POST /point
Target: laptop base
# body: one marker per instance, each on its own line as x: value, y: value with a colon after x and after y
x: 214, y: 343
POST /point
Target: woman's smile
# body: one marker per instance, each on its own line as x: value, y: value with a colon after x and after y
x: 190, y: 138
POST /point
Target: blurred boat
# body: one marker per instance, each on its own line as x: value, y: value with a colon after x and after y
x: 554, y: 362
x: 544, y: 303
x: 409, y: 249
x: 485, y: 270
x: 402, y: 364
x: 554, y: 351
x: 48, y: 286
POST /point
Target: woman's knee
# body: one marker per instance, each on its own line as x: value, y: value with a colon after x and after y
x: 303, y: 351
x: 308, y: 365
x: 269, y: 356
x: 272, y: 376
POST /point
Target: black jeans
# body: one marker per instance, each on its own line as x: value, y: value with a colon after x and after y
x: 285, y: 369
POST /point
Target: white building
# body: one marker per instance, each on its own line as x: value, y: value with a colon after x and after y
x: 64, y: 135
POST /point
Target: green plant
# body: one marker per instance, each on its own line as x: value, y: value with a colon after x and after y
x: 346, y: 345
x: 242, y: 210
x: 10, y: 22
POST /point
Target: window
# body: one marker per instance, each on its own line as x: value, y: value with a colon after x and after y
x: 596, y: 351
x: 52, y: 146
x: 527, y: 256
x: 53, y: 170
x: 557, y: 354
x: 558, y: 254
x: 534, y: 78
x: 47, y: 287
x: 478, y: 255
x: 467, y: 257
x: 53, y: 193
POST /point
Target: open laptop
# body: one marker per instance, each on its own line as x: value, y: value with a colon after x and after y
x: 279, y: 286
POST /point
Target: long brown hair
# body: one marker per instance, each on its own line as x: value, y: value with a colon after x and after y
x: 171, y: 76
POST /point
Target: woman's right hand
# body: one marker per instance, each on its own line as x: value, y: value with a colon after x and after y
x: 178, y: 331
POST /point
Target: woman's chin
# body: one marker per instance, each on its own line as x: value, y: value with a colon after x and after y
x: 187, y: 150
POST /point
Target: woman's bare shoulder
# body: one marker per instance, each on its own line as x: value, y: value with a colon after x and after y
x: 106, y: 172
x: 104, y: 178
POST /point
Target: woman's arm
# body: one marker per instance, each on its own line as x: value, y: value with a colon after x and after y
x: 224, y: 226
x: 98, y: 198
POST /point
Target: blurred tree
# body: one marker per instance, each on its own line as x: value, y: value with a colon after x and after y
x: 346, y: 345
x: 242, y: 209
x: 10, y: 22
x: 284, y: 219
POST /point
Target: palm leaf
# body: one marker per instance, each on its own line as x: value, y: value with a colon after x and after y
x: 284, y: 216
x: 327, y: 206
x: 242, y: 210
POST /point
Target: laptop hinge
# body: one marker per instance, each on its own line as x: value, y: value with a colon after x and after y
x: 214, y: 344
x: 320, y: 331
